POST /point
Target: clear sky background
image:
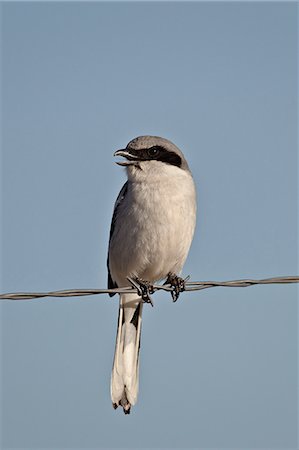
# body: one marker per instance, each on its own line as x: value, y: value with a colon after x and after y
x: 219, y: 367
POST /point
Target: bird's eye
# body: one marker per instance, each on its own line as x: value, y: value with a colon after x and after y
x: 153, y: 152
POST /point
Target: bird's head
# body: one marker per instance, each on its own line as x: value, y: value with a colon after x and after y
x: 149, y: 154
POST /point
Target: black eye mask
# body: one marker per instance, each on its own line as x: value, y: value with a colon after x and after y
x: 156, y: 153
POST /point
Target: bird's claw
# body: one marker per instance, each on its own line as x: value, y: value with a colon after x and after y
x: 144, y: 289
x: 178, y: 285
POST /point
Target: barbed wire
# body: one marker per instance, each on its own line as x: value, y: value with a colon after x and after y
x: 189, y: 287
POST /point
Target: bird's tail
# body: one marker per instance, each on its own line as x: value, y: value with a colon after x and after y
x: 125, y: 378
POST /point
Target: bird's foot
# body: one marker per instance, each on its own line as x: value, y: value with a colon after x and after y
x: 144, y: 289
x: 178, y: 285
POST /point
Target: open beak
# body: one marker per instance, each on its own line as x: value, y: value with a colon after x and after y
x: 130, y: 158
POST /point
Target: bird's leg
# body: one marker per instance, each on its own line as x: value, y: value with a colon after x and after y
x: 144, y: 289
x: 177, y: 284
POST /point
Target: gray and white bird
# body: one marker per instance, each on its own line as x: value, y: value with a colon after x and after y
x: 151, y: 232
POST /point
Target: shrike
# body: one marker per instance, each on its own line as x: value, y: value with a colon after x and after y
x: 151, y: 233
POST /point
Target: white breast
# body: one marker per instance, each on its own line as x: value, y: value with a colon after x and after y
x: 154, y: 225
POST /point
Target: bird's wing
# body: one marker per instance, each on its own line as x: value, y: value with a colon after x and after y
x: 120, y: 198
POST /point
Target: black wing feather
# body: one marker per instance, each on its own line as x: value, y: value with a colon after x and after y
x: 121, y: 196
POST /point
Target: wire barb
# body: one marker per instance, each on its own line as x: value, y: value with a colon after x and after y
x: 190, y: 286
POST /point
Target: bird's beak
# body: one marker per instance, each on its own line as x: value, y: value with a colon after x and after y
x: 127, y: 155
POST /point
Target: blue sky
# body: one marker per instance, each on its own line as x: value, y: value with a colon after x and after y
x: 79, y: 80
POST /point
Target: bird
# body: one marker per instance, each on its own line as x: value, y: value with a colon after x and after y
x: 151, y: 232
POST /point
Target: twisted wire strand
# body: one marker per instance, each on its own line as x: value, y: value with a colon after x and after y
x: 190, y: 286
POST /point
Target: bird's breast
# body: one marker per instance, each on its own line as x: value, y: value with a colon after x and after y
x: 154, y: 230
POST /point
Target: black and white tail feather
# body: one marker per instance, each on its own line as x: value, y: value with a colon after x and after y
x: 125, y: 371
